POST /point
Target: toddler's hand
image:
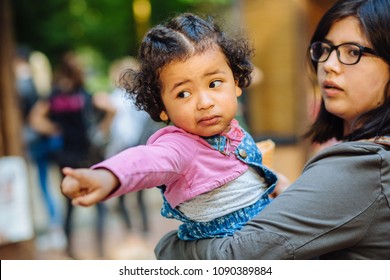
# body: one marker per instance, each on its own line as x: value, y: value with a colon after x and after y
x: 282, y: 184
x: 87, y: 186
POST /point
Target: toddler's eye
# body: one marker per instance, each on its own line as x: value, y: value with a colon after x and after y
x: 215, y: 84
x: 183, y: 94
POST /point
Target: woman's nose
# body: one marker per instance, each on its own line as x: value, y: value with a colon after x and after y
x: 332, y: 63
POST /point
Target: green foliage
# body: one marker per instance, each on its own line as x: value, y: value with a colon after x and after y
x: 60, y: 25
x: 212, y: 2
x: 102, y: 29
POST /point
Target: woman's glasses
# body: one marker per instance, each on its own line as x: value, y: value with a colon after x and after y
x: 347, y: 53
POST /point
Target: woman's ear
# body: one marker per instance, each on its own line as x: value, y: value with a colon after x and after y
x: 163, y: 116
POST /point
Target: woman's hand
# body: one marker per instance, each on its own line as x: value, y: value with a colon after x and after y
x: 88, y: 186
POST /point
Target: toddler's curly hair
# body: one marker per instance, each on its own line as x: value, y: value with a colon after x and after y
x: 177, y: 40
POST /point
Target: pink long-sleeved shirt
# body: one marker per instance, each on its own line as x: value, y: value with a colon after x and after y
x: 185, y: 163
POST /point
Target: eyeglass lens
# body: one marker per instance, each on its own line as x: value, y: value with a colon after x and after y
x: 346, y: 53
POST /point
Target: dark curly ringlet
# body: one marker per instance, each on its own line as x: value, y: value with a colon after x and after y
x: 177, y: 40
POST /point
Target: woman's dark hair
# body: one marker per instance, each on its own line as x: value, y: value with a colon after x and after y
x: 177, y: 40
x: 69, y: 67
x: 374, y: 19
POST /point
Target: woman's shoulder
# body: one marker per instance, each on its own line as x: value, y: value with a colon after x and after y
x: 356, y: 147
x: 362, y: 156
x: 358, y: 168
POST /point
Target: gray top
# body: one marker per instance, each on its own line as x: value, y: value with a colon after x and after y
x: 339, y: 208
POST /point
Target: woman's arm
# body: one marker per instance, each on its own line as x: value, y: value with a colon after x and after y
x: 39, y: 119
x: 327, y: 209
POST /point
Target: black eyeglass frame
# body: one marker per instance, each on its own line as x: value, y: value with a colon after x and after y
x: 362, y: 50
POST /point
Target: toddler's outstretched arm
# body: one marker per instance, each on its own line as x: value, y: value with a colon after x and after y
x: 88, y: 186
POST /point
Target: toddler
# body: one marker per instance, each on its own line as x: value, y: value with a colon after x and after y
x: 209, y: 169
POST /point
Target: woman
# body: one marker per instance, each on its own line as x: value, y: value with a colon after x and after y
x: 339, y: 207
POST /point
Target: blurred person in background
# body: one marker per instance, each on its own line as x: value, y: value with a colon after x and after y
x: 82, y: 122
x: 31, y: 75
x: 128, y: 129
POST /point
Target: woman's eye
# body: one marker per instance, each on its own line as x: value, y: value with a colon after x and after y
x: 215, y: 84
x: 325, y: 50
x: 354, y: 52
x: 183, y: 94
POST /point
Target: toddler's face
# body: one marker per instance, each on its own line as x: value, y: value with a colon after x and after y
x: 200, y: 94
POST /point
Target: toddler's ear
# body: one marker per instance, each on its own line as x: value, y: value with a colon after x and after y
x: 163, y: 116
x: 238, y: 90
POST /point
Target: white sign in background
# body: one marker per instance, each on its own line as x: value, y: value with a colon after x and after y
x: 15, y: 211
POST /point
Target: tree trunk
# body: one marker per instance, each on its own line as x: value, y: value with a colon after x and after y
x: 10, y: 118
